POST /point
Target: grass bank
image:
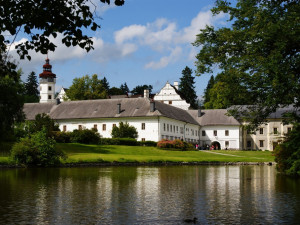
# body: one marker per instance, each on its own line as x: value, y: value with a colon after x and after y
x: 80, y: 153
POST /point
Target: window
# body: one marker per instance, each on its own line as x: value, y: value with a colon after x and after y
x: 164, y: 127
x: 40, y: 88
x: 171, y: 128
x: 64, y: 128
x: 167, y: 127
x: 177, y: 129
x: 79, y: 127
x: 275, y: 130
x: 114, y: 125
x: 95, y: 127
x: 143, y: 126
x: 289, y: 129
x: 226, y: 144
x: 248, y: 144
x: 49, y: 97
x: 104, y: 127
x: 261, y: 130
x: 170, y: 102
x: 215, y: 132
x: 181, y: 130
x: 261, y: 143
x: 143, y: 139
x: 226, y: 132
x: 203, y: 133
x: 49, y: 88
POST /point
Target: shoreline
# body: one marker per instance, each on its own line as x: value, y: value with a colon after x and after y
x: 109, y: 164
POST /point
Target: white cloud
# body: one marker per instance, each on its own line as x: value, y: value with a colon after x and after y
x: 128, y: 33
x: 164, y: 61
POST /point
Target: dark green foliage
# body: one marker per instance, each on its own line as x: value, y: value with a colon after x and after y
x: 209, y: 86
x: 260, y: 48
x: 148, y: 143
x: 42, y: 20
x: 124, y: 88
x: 139, y: 90
x: 31, y: 89
x: 287, y: 154
x: 85, y: 136
x: 119, y: 141
x: 11, y: 103
x: 37, y: 150
x: 124, y: 130
x: 116, y: 91
x: 105, y: 84
x: 43, y: 121
x: 187, y: 88
x: 86, y: 88
x: 62, y: 137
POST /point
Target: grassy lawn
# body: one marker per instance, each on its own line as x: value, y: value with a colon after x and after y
x: 109, y: 153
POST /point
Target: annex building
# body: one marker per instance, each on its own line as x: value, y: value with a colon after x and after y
x: 166, y: 116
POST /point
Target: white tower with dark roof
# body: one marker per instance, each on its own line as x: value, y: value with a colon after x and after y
x: 47, y: 83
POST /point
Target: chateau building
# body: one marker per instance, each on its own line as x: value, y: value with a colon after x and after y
x: 166, y: 117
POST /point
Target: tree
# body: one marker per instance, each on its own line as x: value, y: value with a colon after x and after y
x: 11, y: 102
x: 261, y: 47
x: 187, y: 88
x: 124, y: 88
x: 40, y: 19
x: 209, y: 86
x: 124, y: 131
x: 139, y: 89
x: 85, y: 88
x: 31, y: 88
x: 105, y: 84
x: 116, y: 91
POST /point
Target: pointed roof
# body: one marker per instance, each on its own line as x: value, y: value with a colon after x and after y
x: 47, y: 70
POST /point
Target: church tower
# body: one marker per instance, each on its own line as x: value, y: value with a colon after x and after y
x: 47, y: 83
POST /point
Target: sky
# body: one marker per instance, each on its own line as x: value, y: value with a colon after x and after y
x: 141, y: 42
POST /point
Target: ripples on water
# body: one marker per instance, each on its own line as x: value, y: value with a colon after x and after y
x: 149, y: 195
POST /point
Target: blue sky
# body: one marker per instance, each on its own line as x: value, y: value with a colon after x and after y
x: 142, y: 42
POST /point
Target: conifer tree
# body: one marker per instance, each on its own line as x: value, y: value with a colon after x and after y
x: 187, y: 88
x: 31, y: 88
x: 209, y: 86
x: 124, y: 88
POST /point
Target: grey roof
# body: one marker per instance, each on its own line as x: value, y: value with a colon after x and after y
x: 212, y: 117
x: 106, y: 108
x: 278, y: 114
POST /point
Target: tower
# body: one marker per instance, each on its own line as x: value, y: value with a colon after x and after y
x: 47, y: 83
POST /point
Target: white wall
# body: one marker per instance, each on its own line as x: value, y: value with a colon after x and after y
x: 233, y: 137
x: 45, y: 92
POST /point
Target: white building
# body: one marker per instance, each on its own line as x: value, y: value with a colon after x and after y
x: 169, y: 94
x: 62, y: 96
x: 47, y: 83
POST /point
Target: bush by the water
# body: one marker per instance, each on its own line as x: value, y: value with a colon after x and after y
x: 37, y: 150
x: 124, y: 130
x: 287, y: 154
x: 175, y: 144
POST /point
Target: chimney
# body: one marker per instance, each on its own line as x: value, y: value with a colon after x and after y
x: 199, y: 112
x: 176, y: 84
x: 146, y: 93
x: 152, y: 106
x: 119, y: 108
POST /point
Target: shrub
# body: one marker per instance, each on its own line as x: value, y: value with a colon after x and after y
x: 175, y: 144
x: 124, y: 131
x: 37, y: 150
x: 62, y: 137
x: 85, y: 136
x: 119, y: 141
x: 148, y: 143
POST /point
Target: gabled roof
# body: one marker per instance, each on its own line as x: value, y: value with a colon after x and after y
x: 211, y: 117
x: 106, y: 108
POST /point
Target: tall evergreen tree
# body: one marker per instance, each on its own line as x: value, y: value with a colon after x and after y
x: 139, y: 90
x: 124, y: 88
x: 187, y: 88
x: 209, y: 86
x: 31, y: 88
x: 105, y: 84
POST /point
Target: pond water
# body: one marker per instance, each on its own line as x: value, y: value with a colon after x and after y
x: 149, y: 195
